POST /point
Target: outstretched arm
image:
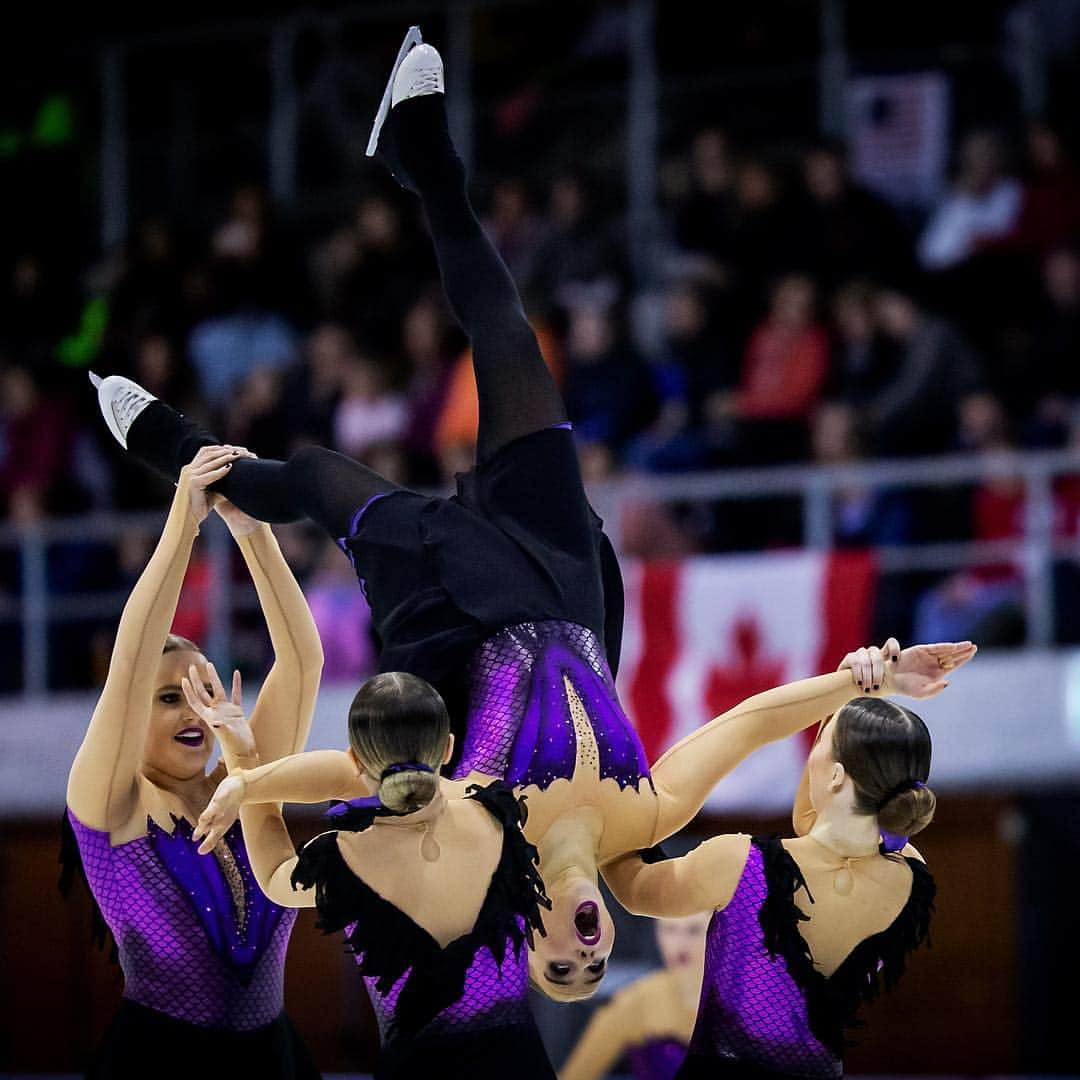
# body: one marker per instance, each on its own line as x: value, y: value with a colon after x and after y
x: 102, y: 786
x: 283, y: 710
x: 702, y: 880
x: 313, y: 777
x: 686, y: 774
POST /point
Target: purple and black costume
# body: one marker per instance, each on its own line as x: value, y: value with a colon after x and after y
x: 518, y: 725
x: 765, y: 1010
x: 465, y: 1005
x: 203, y: 955
x: 657, y: 1059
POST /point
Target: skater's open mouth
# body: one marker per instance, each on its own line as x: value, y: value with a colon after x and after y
x: 190, y: 736
x: 587, y: 922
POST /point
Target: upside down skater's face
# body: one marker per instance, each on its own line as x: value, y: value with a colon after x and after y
x: 178, y: 743
x: 571, y: 961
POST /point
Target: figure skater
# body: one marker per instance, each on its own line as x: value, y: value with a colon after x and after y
x: 437, y: 891
x: 201, y: 948
x: 805, y: 930
x: 649, y: 1023
x: 506, y: 597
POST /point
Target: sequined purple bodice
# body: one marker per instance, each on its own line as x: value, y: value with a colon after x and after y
x: 751, y: 1009
x: 495, y: 998
x: 185, y: 948
x: 519, y: 726
x: 657, y: 1059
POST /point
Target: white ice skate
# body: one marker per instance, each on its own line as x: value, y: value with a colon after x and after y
x: 417, y: 70
x: 121, y: 401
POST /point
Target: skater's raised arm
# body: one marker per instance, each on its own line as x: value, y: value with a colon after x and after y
x: 102, y: 785
x: 281, y: 718
x: 687, y: 772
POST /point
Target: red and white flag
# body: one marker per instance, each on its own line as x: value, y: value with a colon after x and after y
x: 705, y: 633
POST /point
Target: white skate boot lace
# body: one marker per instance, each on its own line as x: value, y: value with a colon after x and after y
x: 425, y: 81
x: 127, y: 406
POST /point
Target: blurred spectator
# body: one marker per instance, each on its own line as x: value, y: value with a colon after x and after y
x: 313, y: 388
x: 704, y: 221
x: 845, y: 229
x: 861, y: 516
x: 33, y: 308
x: 783, y: 375
x: 983, y: 603
x: 983, y: 205
x: 579, y: 244
x: 257, y: 415
x: 1053, y: 370
x: 157, y: 367
x: 148, y: 295
x: 260, y: 253
x: 696, y: 363
x: 423, y: 342
x: 368, y: 413
x: 227, y: 346
x: 343, y: 617
x: 514, y: 228
x: 35, y: 442
x: 763, y: 232
x: 608, y: 390
x: 1050, y: 208
x: 860, y: 364
x: 933, y: 370
x: 368, y: 272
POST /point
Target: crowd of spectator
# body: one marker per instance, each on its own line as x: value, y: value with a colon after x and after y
x: 798, y: 317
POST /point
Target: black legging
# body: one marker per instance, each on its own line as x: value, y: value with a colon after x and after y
x: 516, y: 392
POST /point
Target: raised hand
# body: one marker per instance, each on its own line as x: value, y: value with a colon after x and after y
x: 923, y: 670
x: 220, y: 813
x: 209, y: 465
x: 224, y: 714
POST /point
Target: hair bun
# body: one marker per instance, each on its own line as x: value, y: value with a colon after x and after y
x: 907, y: 812
x: 405, y: 791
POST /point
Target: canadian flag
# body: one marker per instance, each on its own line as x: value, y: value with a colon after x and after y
x: 703, y: 634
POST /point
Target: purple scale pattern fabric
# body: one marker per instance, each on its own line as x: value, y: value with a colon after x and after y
x: 519, y: 726
x: 657, y: 1059
x: 751, y: 1010
x: 181, y: 947
x: 495, y: 997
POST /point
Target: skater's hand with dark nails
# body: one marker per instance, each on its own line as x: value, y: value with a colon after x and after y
x: 223, y: 713
x: 220, y: 813
x: 209, y: 465
x: 240, y: 524
x: 868, y: 665
x: 916, y: 672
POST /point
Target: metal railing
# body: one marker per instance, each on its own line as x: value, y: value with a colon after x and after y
x: 36, y: 608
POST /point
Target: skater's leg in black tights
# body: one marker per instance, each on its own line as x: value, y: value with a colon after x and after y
x: 517, y: 394
x: 315, y: 483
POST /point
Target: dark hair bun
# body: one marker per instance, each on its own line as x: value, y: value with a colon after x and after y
x: 908, y: 812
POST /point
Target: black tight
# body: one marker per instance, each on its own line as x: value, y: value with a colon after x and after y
x: 517, y: 394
